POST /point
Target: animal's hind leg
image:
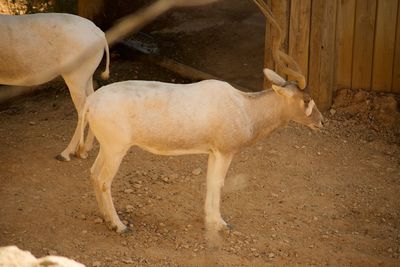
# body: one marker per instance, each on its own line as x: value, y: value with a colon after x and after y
x: 111, y: 162
x: 79, y: 82
x: 94, y: 176
x: 77, y: 85
x: 89, y: 137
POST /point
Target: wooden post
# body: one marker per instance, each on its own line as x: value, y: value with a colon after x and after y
x: 299, y: 33
x: 322, y: 52
x: 396, y: 67
x: 344, y: 42
x: 363, y: 43
x: 90, y: 8
x: 385, y: 37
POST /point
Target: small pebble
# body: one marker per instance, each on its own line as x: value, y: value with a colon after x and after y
x: 127, y: 261
x: 237, y: 233
x: 174, y: 176
x: 197, y: 171
x: 129, y: 208
x: 271, y: 255
x: 98, y: 220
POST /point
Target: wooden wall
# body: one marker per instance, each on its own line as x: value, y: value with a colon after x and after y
x: 341, y: 43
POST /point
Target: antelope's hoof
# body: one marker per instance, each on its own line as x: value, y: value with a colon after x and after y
x: 125, y: 231
x: 229, y: 226
x: 218, y: 225
x: 60, y: 157
x: 83, y: 155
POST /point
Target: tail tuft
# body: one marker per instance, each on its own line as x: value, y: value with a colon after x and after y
x: 105, y: 74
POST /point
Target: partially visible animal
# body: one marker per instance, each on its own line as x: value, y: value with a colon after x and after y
x: 12, y: 256
x: 209, y: 117
x: 35, y: 49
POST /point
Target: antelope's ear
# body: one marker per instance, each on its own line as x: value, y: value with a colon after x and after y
x: 287, y: 92
x: 310, y: 107
x: 273, y: 77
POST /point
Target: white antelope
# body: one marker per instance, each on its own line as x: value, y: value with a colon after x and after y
x: 34, y: 49
x: 209, y: 117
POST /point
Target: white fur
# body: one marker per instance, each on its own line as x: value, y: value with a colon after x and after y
x: 12, y: 256
x: 209, y: 117
x: 310, y: 108
x: 34, y: 49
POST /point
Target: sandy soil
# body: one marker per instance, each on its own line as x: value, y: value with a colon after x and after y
x: 298, y: 198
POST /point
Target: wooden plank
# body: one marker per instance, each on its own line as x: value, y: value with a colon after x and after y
x: 90, y: 8
x: 299, y: 33
x: 363, y: 43
x: 385, y: 38
x: 396, y: 65
x: 268, y: 61
x: 322, y: 78
x: 345, y: 38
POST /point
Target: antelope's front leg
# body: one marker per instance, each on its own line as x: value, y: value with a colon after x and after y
x: 218, y: 165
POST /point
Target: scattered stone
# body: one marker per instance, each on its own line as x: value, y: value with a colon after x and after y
x: 128, y: 191
x: 82, y: 217
x: 274, y: 195
x: 129, y: 208
x: 98, y: 220
x: 165, y: 179
x: 174, y: 176
x: 96, y: 264
x: 237, y: 233
x: 128, y: 261
x: 271, y: 255
x: 360, y: 96
x: 32, y: 123
x: 332, y: 111
x: 197, y: 171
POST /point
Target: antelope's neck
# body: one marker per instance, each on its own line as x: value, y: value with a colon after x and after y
x: 266, y: 112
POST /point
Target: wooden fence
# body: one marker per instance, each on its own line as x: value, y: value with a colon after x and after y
x: 341, y: 43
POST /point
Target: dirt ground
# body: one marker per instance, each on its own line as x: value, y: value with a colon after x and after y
x: 298, y: 198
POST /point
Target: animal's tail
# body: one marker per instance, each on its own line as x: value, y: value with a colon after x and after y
x: 106, y: 73
x: 82, y: 124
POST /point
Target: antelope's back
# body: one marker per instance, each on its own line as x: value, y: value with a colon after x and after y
x: 31, y: 44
